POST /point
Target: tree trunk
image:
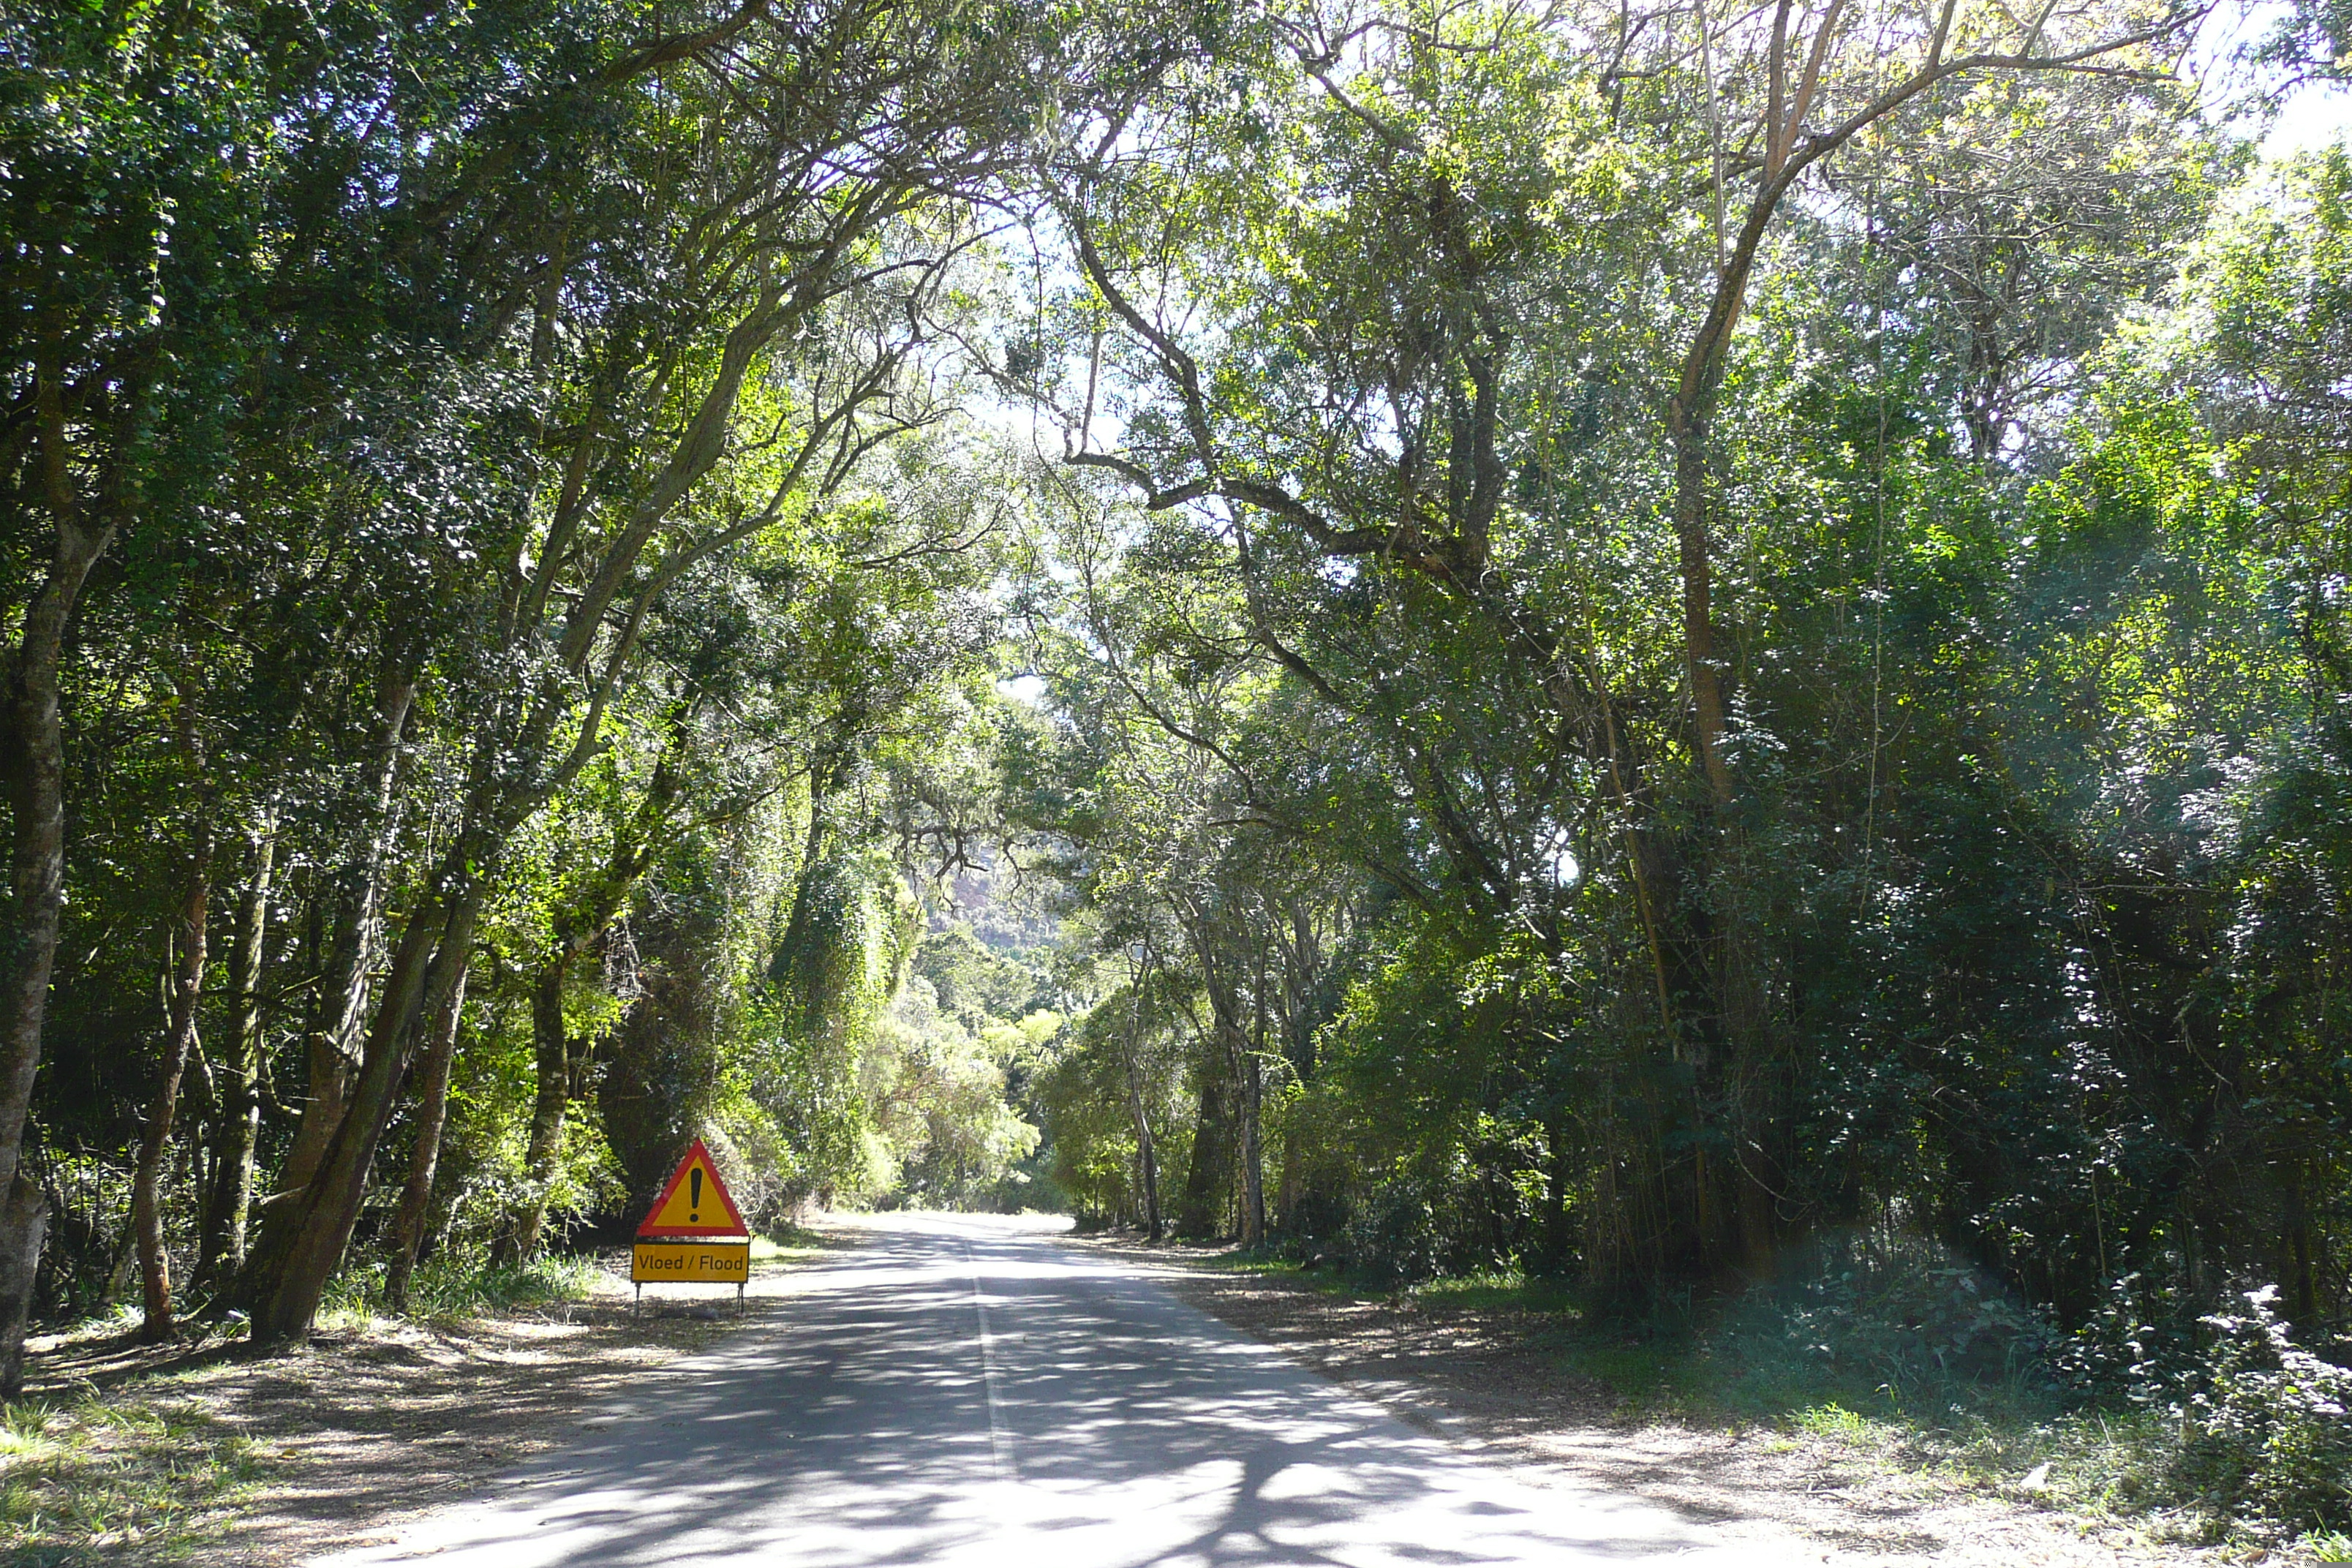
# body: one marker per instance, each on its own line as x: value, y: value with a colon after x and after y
x: 1245, y: 1187
x: 339, y: 1019
x: 24, y: 1224
x: 304, y: 1237
x: 239, y: 1121
x: 146, y: 1194
x: 1559, y: 1237
x: 1148, y: 1156
x: 1252, y: 1063
x: 550, y: 1052
x: 1697, y: 562
x: 1252, y: 1156
x: 1286, y: 1193
x: 1147, y: 1151
x: 32, y: 759
x: 432, y: 1117
x: 560, y: 1061
x: 331, y: 1054
x: 1735, y: 984
x: 305, y: 1233
x: 1208, y: 1182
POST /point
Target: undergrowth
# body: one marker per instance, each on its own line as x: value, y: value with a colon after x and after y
x: 90, y: 1480
x: 455, y: 1285
x: 1267, y: 1260
x: 785, y: 1237
x: 1887, y: 1346
x: 139, y: 1472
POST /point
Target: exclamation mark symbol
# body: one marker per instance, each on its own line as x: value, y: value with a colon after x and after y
x: 694, y: 1179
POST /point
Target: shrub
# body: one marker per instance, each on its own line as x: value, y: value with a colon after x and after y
x: 1393, y: 1238
x: 1879, y: 1314
x: 2269, y: 1434
x: 461, y: 1282
x: 2138, y: 1337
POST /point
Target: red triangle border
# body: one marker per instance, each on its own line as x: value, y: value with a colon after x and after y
x: 727, y: 1199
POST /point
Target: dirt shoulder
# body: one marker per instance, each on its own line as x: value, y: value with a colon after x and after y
x: 212, y: 1455
x: 1485, y: 1379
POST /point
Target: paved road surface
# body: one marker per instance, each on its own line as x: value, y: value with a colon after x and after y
x: 959, y: 1393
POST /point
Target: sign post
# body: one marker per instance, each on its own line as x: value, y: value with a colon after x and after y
x: 694, y: 1234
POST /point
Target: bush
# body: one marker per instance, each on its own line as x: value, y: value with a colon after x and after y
x: 461, y: 1283
x: 2270, y: 1432
x: 1393, y: 1238
x: 1877, y: 1315
x: 2139, y: 1335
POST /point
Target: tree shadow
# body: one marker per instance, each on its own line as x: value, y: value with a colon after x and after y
x: 1094, y: 1418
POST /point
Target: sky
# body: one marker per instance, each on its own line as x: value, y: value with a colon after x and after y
x: 2313, y: 115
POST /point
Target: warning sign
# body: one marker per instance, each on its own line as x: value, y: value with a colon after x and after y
x: 695, y: 1204
x: 692, y: 1262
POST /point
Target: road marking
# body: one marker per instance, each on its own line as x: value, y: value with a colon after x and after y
x: 1000, y: 1441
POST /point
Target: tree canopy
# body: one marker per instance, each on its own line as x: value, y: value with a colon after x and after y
x: 1651, y: 645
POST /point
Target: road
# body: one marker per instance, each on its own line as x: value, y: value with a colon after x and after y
x: 962, y: 1393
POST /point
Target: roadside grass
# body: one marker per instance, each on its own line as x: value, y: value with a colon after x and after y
x: 1287, y: 1269
x: 138, y: 1471
x: 2004, y: 1428
x: 1974, y: 1407
x: 453, y: 1288
x: 96, y: 1478
x: 785, y: 1240
x: 2008, y: 1431
x: 122, y: 1458
x: 1496, y: 1290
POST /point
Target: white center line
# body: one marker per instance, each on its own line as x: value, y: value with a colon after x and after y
x: 1000, y: 1441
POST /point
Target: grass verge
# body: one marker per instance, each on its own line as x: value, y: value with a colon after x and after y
x: 453, y: 1288
x: 127, y: 1459
x: 102, y: 1478
x: 1939, y: 1380
x: 788, y: 1241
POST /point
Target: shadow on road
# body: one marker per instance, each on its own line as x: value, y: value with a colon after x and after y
x: 954, y: 1394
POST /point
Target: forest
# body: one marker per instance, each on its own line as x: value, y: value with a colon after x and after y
x: 1688, y: 648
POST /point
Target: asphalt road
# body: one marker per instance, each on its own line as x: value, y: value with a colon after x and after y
x: 962, y: 1392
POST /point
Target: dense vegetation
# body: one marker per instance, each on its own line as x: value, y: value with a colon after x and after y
x: 1681, y: 648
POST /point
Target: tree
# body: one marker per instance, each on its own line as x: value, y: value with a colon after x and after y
x: 1376, y: 380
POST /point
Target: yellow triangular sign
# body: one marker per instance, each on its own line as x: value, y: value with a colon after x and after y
x: 695, y: 1202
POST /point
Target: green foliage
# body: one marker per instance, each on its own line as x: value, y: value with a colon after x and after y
x: 460, y: 1281
x: 939, y: 1097
x: 131, y: 1473
x: 1120, y: 1052
x: 2010, y: 922
x: 2270, y: 1431
x: 1884, y: 1324
x: 975, y: 984
x: 564, y: 508
x: 842, y: 959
